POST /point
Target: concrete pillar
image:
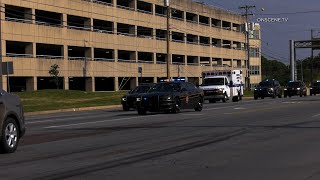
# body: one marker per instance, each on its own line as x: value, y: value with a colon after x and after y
x: 115, y: 55
x: 4, y: 83
x: 90, y: 84
x: 66, y: 83
x: 155, y: 79
x: 153, y: 9
x: 134, y: 83
x: 154, y: 58
x: 114, y: 3
x: 134, y: 56
x: 116, y: 83
x: 30, y: 15
x: 92, y: 53
x: 115, y: 30
x: 31, y: 49
x: 133, y: 4
x: 34, y: 50
x: 65, y: 52
x: 64, y: 20
x: 32, y: 84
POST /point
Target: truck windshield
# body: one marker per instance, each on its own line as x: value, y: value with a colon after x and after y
x: 213, y: 81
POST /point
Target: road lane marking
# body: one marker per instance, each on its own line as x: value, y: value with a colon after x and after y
x: 316, y: 115
x: 65, y: 119
x: 96, y: 122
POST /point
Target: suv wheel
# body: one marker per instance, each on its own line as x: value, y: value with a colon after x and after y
x: 225, y: 97
x: 212, y: 101
x: 255, y: 97
x: 10, y: 136
x: 141, y: 111
x: 125, y: 107
x: 177, y: 106
x: 199, y: 105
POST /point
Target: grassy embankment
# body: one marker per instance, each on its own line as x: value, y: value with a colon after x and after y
x: 60, y: 99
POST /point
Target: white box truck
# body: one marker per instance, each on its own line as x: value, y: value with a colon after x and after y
x: 222, y: 85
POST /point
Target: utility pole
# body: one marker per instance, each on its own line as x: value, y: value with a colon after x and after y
x: 311, y: 57
x: 247, y: 8
x: 301, y: 69
x: 85, y: 61
x: 0, y: 46
x: 168, y: 39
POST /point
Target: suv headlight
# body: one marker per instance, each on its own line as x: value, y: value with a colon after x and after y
x: 221, y: 89
x: 138, y: 99
x: 298, y: 88
x: 124, y: 99
x: 285, y: 89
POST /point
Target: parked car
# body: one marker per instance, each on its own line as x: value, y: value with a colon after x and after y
x: 11, y: 122
x: 315, y: 88
x: 268, y: 88
x: 170, y: 97
x: 295, y: 88
x: 129, y: 101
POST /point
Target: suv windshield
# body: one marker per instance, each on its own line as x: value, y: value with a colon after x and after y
x: 140, y: 89
x: 316, y: 84
x: 165, y: 87
x: 213, y: 81
x: 294, y: 84
x: 265, y: 84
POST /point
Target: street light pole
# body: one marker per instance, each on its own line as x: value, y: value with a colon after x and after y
x: 168, y: 39
x: 247, y: 8
x: 0, y: 46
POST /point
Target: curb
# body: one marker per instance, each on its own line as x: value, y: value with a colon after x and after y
x: 71, y: 110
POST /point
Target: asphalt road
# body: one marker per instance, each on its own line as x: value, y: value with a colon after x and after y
x: 262, y: 139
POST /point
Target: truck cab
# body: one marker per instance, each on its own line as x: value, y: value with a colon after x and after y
x: 222, y: 85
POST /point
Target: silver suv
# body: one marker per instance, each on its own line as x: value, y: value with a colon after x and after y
x: 12, y: 126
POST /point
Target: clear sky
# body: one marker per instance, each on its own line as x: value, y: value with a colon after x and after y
x: 276, y: 36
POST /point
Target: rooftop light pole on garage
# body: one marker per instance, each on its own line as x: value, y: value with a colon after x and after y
x: 167, y: 4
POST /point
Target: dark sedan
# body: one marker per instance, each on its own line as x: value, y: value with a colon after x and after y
x: 295, y: 88
x: 268, y: 88
x: 170, y: 97
x: 12, y: 126
x: 315, y: 88
x: 129, y: 101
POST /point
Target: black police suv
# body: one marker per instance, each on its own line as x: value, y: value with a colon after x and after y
x: 129, y: 101
x: 170, y: 97
x: 295, y: 88
x: 268, y: 88
x: 315, y: 88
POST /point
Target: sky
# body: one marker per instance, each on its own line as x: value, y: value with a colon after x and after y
x: 276, y: 36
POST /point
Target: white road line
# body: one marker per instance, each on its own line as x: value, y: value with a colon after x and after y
x: 192, y: 114
x: 316, y: 115
x: 96, y: 122
x: 65, y: 119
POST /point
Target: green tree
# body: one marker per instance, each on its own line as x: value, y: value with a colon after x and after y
x: 273, y: 69
x: 54, y: 73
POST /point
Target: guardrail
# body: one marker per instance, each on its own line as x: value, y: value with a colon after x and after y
x: 18, y: 20
x: 48, y: 24
x: 103, y: 59
x: 49, y: 57
x: 101, y: 2
x: 19, y: 55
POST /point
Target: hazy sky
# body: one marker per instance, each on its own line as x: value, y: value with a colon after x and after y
x: 276, y: 36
